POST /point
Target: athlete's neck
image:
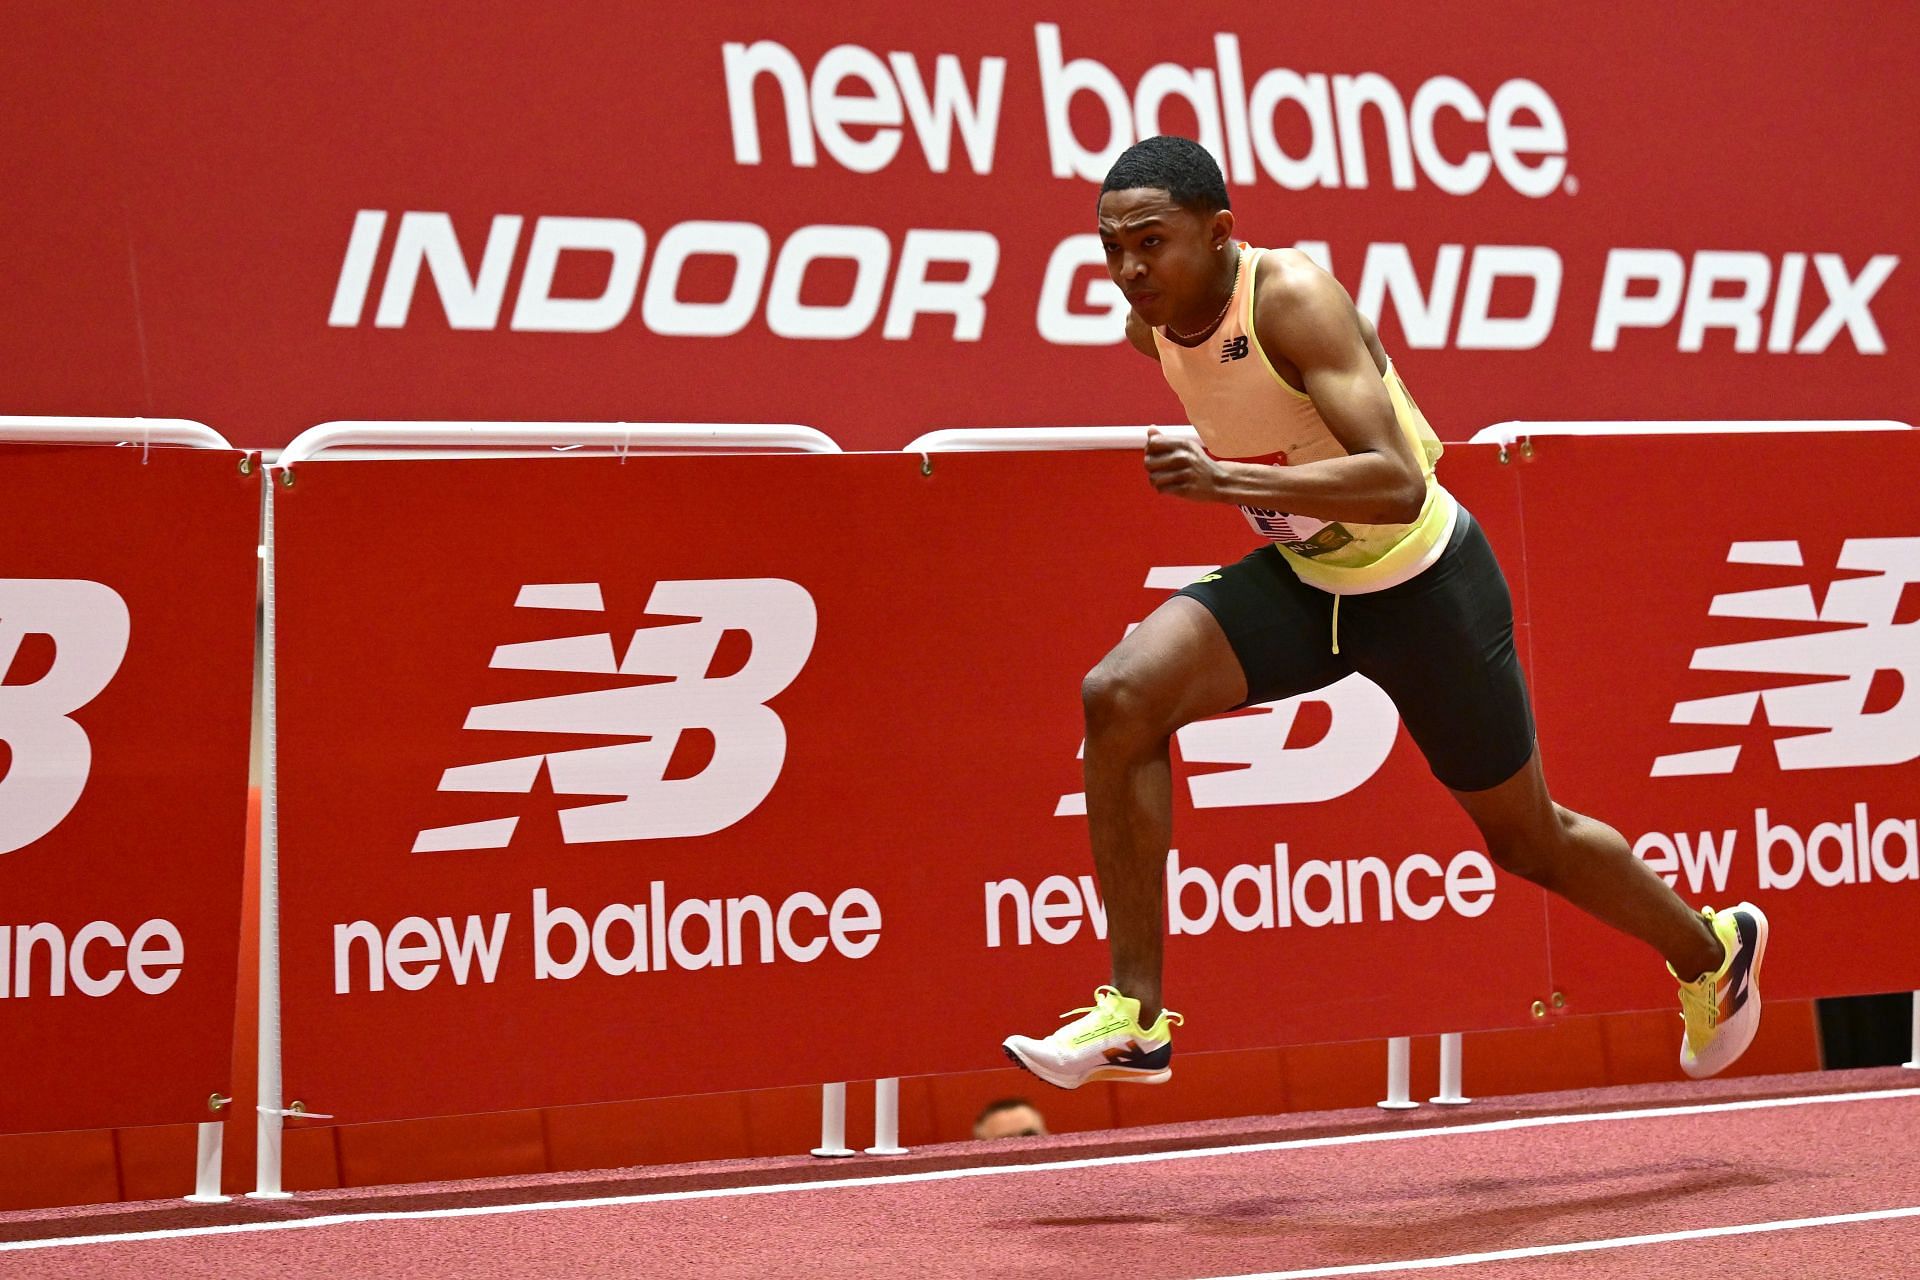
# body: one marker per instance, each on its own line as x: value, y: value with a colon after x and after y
x: 1198, y: 327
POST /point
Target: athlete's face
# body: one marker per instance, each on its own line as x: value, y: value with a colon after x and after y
x: 1166, y: 259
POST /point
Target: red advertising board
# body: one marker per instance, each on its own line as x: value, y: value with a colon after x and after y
x: 1726, y: 657
x: 878, y: 218
x: 126, y: 642
x: 682, y: 774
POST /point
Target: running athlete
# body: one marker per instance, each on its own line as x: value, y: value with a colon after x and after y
x: 1371, y: 566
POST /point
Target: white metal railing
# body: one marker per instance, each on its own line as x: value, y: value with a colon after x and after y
x: 1506, y: 433
x: 1006, y: 439
x: 619, y: 437
x: 140, y: 431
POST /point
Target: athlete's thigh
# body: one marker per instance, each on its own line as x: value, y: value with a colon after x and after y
x: 1442, y: 647
x: 1278, y: 629
x: 1172, y: 669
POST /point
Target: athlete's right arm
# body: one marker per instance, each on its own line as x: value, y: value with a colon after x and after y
x: 1140, y: 334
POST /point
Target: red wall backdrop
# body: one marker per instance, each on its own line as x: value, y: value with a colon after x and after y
x: 184, y: 183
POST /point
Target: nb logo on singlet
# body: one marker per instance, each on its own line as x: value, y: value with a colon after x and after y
x: 1234, y: 349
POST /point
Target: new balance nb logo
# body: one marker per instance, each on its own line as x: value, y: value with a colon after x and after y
x: 1740, y: 974
x: 1829, y: 672
x: 749, y: 739
x: 1136, y: 1057
x: 1234, y: 349
x: 48, y: 753
x: 1263, y: 769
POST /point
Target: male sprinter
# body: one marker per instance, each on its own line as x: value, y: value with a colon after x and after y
x: 1371, y: 566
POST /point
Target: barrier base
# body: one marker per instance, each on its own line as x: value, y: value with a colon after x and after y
x: 832, y: 1153
x: 197, y: 1198
x: 885, y: 1151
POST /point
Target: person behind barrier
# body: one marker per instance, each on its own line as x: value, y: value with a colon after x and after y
x: 1369, y: 566
x: 1009, y: 1118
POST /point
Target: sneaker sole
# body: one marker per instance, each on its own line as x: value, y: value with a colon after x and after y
x: 1753, y: 999
x: 1103, y: 1073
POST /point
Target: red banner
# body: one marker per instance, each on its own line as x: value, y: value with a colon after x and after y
x: 692, y: 774
x: 126, y: 645
x: 1726, y: 648
x: 598, y: 211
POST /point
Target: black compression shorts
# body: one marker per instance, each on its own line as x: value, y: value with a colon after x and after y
x: 1440, y: 645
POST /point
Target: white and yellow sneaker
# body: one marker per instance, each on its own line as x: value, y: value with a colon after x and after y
x: 1105, y: 1041
x: 1722, y: 1008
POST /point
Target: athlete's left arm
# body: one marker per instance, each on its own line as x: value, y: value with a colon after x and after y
x: 1305, y: 318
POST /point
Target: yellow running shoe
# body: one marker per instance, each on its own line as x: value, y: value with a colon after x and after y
x: 1722, y: 1008
x: 1105, y: 1041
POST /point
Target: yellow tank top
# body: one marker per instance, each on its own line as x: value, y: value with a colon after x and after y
x: 1246, y: 412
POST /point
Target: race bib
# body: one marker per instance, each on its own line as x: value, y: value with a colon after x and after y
x: 1302, y: 535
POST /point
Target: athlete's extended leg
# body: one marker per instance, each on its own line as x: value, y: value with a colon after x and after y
x: 1715, y: 955
x: 1173, y: 669
x: 1442, y: 647
x: 1590, y: 865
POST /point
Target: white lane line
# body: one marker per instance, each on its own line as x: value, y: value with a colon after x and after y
x: 978, y: 1171
x: 1580, y: 1246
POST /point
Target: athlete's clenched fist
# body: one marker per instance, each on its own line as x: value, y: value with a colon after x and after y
x: 1182, y: 468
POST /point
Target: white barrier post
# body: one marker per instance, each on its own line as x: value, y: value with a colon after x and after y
x: 1913, y: 1062
x: 886, y: 1118
x: 1449, y: 1095
x: 206, y: 1164
x: 833, y: 1123
x: 271, y: 1120
x: 1399, y: 1075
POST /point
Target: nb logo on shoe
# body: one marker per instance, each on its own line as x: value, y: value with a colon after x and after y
x: 1136, y: 1056
x: 1852, y: 672
x: 1234, y: 349
x: 749, y: 738
x: 51, y: 755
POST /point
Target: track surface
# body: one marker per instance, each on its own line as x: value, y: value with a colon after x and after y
x: 1297, y: 1194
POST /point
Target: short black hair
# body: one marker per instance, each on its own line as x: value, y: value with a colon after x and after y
x: 1181, y: 167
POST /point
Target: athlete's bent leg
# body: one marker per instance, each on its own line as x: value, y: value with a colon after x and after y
x: 1171, y: 670
x: 1590, y: 865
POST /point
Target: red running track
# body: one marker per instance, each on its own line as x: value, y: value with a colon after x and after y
x: 1549, y: 1185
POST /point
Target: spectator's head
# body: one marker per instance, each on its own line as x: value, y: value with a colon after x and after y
x: 1009, y: 1118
